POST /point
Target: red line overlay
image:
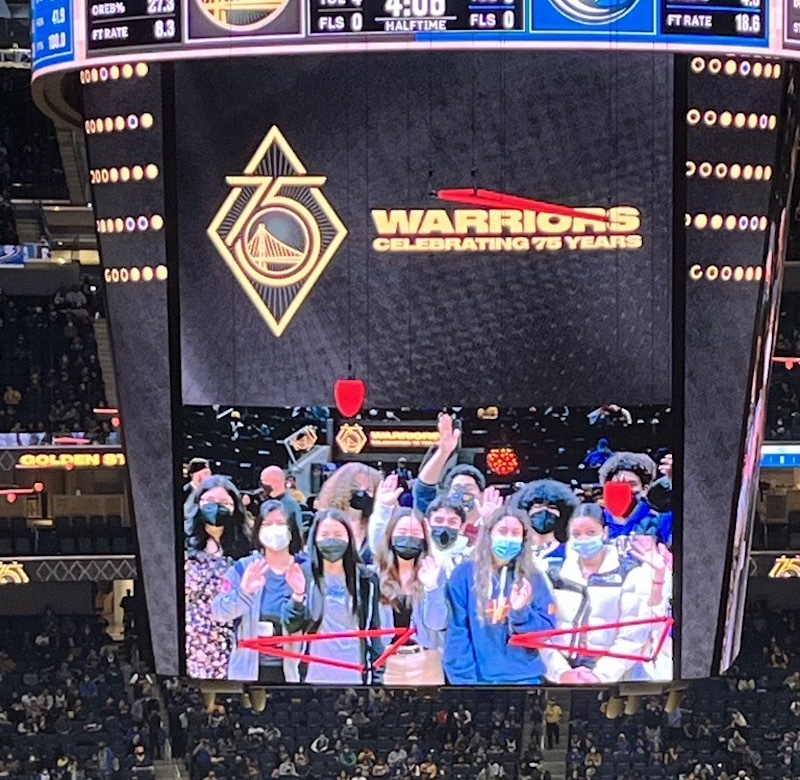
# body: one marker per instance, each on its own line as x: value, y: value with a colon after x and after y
x: 502, y: 200
x: 538, y: 640
x: 273, y: 645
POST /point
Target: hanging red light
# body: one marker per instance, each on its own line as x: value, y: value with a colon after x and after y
x: 349, y: 395
x: 502, y: 461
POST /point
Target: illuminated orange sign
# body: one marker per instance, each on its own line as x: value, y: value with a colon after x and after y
x: 785, y: 567
x: 13, y: 574
x: 70, y: 460
x: 505, y: 223
x: 403, y: 439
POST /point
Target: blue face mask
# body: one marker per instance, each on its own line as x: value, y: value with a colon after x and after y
x: 215, y: 514
x: 587, y: 547
x: 506, y: 550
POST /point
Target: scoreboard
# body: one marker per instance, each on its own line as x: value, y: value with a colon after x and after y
x: 71, y: 34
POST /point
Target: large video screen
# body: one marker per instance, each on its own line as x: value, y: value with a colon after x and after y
x: 433, y: 226
x: 410, y: 548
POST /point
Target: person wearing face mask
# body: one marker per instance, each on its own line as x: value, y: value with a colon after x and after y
x: 351, y: 490
x: 342, y: 596
x: 265, y: 594
x: 463, y: 484
x: 594, y: 586
x: 216, y: 538
x: 444, y: 519
x: 493, y: 596
x: 412, y: 595
x: 548, y: 504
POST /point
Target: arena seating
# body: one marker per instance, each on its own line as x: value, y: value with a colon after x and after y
x: 68, y: 695
x: 51, y: 375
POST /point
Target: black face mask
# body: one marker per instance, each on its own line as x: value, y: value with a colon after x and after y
x: 215, y: 514
x: 463, y: 497
x: 408, y: 547
x: 443, y: 537
x: 362, y: 501
x: 543, y: 522
x: 332, y: 550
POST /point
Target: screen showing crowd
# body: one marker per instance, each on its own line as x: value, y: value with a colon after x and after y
x: 546, y: 559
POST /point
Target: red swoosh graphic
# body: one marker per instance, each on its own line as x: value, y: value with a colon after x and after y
x: 500, y: 200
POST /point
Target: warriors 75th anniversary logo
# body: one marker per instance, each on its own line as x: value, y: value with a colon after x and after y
x: 276, y: 230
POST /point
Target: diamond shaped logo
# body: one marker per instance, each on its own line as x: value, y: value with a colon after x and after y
x: 276, y: 230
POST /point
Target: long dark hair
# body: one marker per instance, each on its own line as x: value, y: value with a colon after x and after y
x: 296, y: 538
x: 350, y: 561
x: 233, y: 542
x: 386, y: 559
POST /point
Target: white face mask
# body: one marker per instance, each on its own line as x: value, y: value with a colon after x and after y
x: 274, y: 537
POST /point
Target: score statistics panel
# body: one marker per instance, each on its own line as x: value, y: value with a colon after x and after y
x: 140, y: 26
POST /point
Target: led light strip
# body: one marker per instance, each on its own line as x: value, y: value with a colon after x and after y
x: 123, y: 174
x: 730, y: 222
x: 114, y: 73
x: 117, y: 124
x: 705, y: 170
x: 726, y: 119
x: 145, y: 273
x: 744, y: 68
x: 130, y: 224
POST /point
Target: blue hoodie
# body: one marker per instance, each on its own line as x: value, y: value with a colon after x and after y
x: 478, y: 652
x: 643, y: 520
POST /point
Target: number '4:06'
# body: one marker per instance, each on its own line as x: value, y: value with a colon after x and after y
x: 419, y: 8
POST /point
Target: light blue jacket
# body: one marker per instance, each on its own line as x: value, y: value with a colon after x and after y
x: 245, y: 611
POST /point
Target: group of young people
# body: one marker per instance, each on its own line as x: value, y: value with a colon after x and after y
x: 469, y: 577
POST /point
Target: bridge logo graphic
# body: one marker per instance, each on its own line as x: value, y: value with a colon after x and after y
x: 276, y: 230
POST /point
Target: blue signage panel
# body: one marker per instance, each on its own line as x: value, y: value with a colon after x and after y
x: 52, y: 32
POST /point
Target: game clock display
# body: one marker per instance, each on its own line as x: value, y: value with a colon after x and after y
x: 331, y: 17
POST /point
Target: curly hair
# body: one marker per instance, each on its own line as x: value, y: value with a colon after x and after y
x: 524, y: 566
x: 388, y: 575
x: 640, y: 464
x: 338, y: 488
x: 546, y: 492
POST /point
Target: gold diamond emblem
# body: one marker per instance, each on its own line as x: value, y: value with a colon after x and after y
x: 276, y: 230
x: 351, y: 438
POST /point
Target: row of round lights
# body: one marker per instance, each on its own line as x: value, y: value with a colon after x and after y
x: 739, y: 120
x: 123, y: 174
x: 705, y: 170
x: 114, y: 73
x: 726, y: 273
x: 146, y: 273
x: 130, y: 224
x: 729, y: 222
x: 757, y: 69
x: 116, y: 124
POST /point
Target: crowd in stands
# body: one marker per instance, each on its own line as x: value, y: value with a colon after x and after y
x: 51, y: 376
x: 33, y: 155
x: 744, y: 726
x: 74, y: 704
x: 783, y: 417
x: 343, y: 734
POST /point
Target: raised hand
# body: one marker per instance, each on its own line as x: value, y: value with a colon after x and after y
x: 492, y: 501
x: 255, y: 577
x: 428, y: 573
x: 651, y: 553
x: 665, y: 466
x: 521, y: 595
x: 388, y: 493
x: 296, y: 580
x: 449, y: 435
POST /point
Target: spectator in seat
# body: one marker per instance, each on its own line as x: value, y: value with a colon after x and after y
x: 349, y: 731
x: 320, y: 744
